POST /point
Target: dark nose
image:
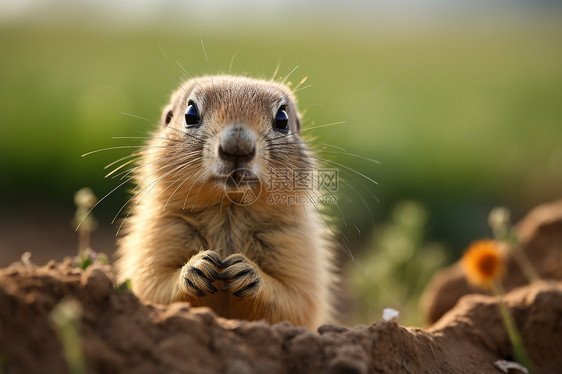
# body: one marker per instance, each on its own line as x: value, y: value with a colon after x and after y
x: 237, y: 144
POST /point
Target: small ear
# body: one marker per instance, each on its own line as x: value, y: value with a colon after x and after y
x: 167, y: 115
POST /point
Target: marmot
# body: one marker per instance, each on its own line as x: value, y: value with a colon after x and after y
x: 204, y: 228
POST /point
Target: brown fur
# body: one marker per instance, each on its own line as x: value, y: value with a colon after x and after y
x: 185, y: 241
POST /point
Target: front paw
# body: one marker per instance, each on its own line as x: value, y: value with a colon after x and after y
x: 200, y: 272
x: 240, y: 276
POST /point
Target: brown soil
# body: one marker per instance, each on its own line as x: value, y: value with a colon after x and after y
x: 540, y: 234
x: 120, y: 334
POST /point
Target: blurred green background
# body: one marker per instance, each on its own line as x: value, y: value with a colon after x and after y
x: 461, y: 105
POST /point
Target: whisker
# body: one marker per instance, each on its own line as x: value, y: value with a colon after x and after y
x: 293, y: 92
x: 121, y: 159
x: 321, y: 126
x: 331, y: 146
x: 147, y: 138
x: 176, y: 190
x: 232, y: 62
x: 350, y: 169
x: 153, y: 183
x: 142, y: 118
x: 129, y: 171
x: 361, y: 183
x: 119, y: 167
x: 208, y: 63
x: 164, y: 125
x: 301, y: 82
x: 302, y: 88
x: 288, y: 75
x: 353, y: 155
x: 290, y: 146
x: 177, y: 82
x: 178, y: 64
x: 120, y: 147
x: 315, y: 191
x: 100, y: 200
x: 285, y: 136
x: 188, y: 74
x: 276, y: 70
x: 189, y: 191
x: 183, y: 167
x: 369, y: 210
x: 185, y: 133
x: 179, y: 161
x: 165, y: 54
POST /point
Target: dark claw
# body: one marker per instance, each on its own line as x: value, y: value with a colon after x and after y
x: 214, y: 259
x: 212, y: 288
x: 247, y: 290
x: 199, y: 273
x: 243, y: 272
x: 207, y: 281
x: 227, y: 275
x: 197, y: 289
x: 229, y: 262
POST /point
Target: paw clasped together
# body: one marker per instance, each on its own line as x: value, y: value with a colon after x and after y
x: 238, y: 275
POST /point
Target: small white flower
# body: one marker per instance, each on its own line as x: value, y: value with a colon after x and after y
x: 26, y: 258
x: 507, y: 366
x: 389, y: 314
x: 499, y: 220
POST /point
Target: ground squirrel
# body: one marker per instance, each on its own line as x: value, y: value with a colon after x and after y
x: 194, y: 236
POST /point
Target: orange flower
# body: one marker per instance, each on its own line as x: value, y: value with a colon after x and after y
x: 483, y: 263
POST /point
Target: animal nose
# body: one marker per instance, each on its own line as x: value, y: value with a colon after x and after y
x: 237, y: 144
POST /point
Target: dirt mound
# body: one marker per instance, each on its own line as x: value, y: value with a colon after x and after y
x: 540, y: 234
x: 120, y: 334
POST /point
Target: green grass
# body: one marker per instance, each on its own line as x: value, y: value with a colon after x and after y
x: 473, y: 120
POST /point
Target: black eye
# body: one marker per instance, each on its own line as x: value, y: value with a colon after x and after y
x: 281, y: 121
x: 192, y: 118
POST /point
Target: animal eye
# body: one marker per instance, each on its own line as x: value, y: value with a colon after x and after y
x: 192, y: 118
x: 281, y: 121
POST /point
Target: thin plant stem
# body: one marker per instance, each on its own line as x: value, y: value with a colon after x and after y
x: 513, y: 332
x: 83, y: 239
